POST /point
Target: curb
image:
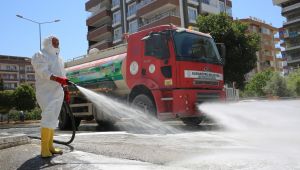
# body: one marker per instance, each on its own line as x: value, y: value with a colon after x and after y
x: 15, y: 140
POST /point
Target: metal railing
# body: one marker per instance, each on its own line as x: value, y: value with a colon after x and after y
x: 144, y: 3
x: 159, y: 17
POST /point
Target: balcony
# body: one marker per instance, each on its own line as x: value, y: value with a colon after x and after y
x: 100, y: 18
x: 10, y: 79
x: 102, y: 45
x: 30, y: 79
x: 170, y: 17
x: 268, y: 58
x: 294, y: 21
x: 213, y: 7
x: 99, y: 33
x: 89, y: 5
x: 292, y: 48
x: 290, y: 8
x: 8, y: 70
x: 148, y: 8
x: 193, y: 2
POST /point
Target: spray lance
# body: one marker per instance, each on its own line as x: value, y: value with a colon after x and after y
x: 66, y: 106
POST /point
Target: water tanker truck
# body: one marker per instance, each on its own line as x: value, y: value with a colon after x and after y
x: 165, y: 70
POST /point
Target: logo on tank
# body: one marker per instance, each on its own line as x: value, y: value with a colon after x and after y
x: 134, y: 67
x: 152, y: 68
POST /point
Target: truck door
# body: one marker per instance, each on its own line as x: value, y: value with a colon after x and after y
x: 156, y: 62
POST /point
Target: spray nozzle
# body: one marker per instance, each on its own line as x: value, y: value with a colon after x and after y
x: 71, y: 83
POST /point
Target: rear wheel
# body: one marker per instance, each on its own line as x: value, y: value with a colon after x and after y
x: 145, y: 103
x: 192, y: 121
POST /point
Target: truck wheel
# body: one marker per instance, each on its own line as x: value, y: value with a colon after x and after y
x: 145, y: 103
x: 192, y: 121
x: 105, y: 124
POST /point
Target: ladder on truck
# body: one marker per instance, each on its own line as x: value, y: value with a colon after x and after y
x: 119, y: 49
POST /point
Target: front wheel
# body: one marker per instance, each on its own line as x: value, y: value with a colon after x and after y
x: 192, y: 121
x: 145, y: 103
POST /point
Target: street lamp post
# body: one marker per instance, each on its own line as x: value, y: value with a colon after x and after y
x: 39, y: 23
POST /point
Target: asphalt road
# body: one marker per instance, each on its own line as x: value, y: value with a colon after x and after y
x: 200, y: 147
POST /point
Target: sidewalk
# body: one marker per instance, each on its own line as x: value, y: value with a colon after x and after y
x: 10, y: 140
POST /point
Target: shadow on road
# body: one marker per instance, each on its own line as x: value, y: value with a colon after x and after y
x: 94, y: 127
x: 38, y: 163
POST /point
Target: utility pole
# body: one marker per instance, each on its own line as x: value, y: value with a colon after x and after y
x: 39, y: 24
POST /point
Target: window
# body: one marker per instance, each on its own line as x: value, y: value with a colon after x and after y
x: 193, y: 13
x: 265, y: 31
x: 156, y: 46
x: 133, y: 26
x: 115, y: 3
x: 222, y: 6
x: 206, y: 1
x: 132, y: 8
x: 116, y: 18
x: 29, y: 68
x: 193, y: 47
x: 117, y: 34
x: 229, y: 11
x: 11, y: 67
x: 30, y: 77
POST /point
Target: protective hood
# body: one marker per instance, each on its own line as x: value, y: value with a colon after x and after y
x: 48, y: 47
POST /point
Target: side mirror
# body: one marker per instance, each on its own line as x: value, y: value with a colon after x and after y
x: 222, y: 51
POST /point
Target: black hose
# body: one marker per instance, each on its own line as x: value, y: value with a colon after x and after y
x: 70, y: 113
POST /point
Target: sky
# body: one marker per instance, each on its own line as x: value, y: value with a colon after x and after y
x: 20, y: 37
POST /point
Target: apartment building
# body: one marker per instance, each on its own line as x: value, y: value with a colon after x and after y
x: 16, y: 70
x: 290, y: 33
x: 110, y: 19
x: 267, y: 55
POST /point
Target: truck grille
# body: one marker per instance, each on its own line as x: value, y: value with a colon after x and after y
x: 207, y: 97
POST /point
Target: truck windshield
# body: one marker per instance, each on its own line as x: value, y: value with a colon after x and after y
x: 193, y: 47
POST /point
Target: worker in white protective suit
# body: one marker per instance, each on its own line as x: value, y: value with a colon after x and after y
x: 50, y: 77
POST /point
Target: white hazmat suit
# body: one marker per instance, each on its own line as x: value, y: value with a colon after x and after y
x: 49, y: 93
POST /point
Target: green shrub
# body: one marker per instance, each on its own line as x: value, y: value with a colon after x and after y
x: 6, y: 101
x: 24, y: 97
x: 277, y: 86
x: 34, y: 114
x: 293, y: 82
x: 254, y: 88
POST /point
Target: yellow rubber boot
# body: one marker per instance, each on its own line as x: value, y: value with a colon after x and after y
x: 51, y: 147
x: 45, y: 136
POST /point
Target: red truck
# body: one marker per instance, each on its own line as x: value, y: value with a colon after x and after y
x: 165, y: 70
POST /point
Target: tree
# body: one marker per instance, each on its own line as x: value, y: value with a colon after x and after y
x: 277, y: 86
x: 1, y: 84
x: 241, y: 47
x: 255, y: 86
x: 6, y: 101
x: 24, y: 97
x: 293, y: 82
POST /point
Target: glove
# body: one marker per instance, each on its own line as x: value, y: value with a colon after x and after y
x: 67, y: 97
x: 61, y: 80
